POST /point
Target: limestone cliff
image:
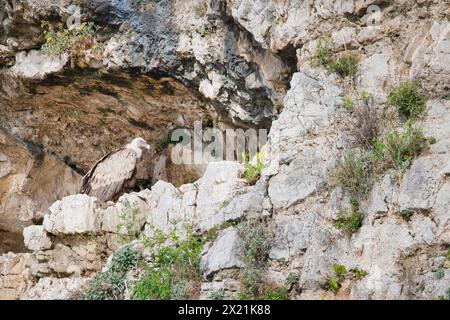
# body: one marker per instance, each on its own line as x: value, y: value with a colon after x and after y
x: 321, y: 75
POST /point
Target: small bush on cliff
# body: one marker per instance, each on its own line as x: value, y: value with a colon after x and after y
x: 275, y: 294
x: 349, y: 103
x: 334, y: 283
x: 253, y: 169
x: 323, y: 55
x: 397, y: 148
x: 127, y: 227
x: 394, y: 149
x: 110, y: 285
x: 350, y: 220
x: 72, y: 41
x: 407, y: 98
x: 367, y: 127
x: 353, y: 172
x: 345, y: 64
x: 256, y: 246
x: 175, y: 265
x: 255, y: 251
x: 358, y: 273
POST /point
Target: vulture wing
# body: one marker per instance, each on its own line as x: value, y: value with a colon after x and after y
x: 110, y: 175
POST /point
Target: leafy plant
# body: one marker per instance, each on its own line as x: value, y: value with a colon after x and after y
x: 256, y: 247
x: 154, y: 285
x: 175, y: 263
x: 334, y: 283
x: 208, y: 29
x: 353, y: 172
x: 217, y: 295
x: 407, y: 98
x: 396, y: 149
x: 110, y: 285
x: 275, y: 294
x: 367, y: 126
x: 365, y: 97
x: 292, y: 280
x: 358, y: 273
x: 127, y: 227
x: 346, y: 65
x: 350, y: 221
x: 349, y: 104
x: 339, y: 270
x: 71, y: 41
x: 407, y: 214
x: 323, y: 55
x: 253, y: 171
x: 440, y: 274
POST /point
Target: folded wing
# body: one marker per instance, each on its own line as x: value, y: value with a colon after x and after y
x: 110, y: 176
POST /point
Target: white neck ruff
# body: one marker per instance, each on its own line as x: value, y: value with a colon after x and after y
x: 136, y: 150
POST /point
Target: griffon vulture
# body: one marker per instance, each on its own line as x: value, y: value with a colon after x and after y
x: 112, y: 175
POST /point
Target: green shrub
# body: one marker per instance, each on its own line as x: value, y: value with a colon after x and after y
x: 334, y: 283
x: 275, y: 294
x: 350, y: 221
x: 70, y: 41
x: 217, y: 295
x: 407, y: 98
x: 127, y: 228
x: 365, y: 97
x: 440, y: 274
x: 322, y: 55
x: 349, y: 104
x: 407, y: 214
x: 292, y: 280
x: 358, y: 273
x: 155, y: 284
x: 256, y: 247
x: 353, y: 172
x: 175, y: 262
x: 397, y: 149
x: 432, y: 140
x: 339, y: 270
x: 345, y: 66
x: 367, y: 127
x: 253, y: 171
x: 110, y: 285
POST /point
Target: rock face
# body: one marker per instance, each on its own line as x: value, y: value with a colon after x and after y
x: 233, y: 64
x: 30, y: 180
x: 225, y: 253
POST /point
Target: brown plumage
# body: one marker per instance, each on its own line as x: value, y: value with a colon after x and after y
x: 114, y: 174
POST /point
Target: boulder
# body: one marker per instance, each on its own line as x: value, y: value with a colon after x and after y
x: 73, y: 215
x: 224, y: 253
x: 36, y: 65
x: 216, y: 187
x: 36, y: 238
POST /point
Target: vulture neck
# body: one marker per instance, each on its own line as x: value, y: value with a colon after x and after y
x: 136, y: 150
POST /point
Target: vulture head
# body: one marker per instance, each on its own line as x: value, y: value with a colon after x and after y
x: 138, y: 145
